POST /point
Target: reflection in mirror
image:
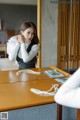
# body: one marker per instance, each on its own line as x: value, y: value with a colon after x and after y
x: 12, y: 19
x: 14, y: 78
x: 5, y: 64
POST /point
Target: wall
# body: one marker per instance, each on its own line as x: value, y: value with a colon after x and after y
x: 49, y: 33
x: 24, y: 2
x: 13, y: 15
x: 42, y: 112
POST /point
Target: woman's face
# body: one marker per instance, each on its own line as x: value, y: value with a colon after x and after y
x: 28, y: 34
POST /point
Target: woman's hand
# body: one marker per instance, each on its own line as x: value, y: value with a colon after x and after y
x: 20, y: 39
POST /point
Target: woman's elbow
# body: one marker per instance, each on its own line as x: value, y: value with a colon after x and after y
x: 11, y: 58
x: 25, y: 60
x: 58, y: 98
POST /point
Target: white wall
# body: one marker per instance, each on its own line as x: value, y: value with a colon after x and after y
x: 49, y: 33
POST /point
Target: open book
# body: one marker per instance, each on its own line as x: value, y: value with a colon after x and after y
x: 54, y: 73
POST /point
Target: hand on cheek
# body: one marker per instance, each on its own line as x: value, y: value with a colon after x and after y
x: 20, y: 38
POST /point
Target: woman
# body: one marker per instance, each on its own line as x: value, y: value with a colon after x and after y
x: 69, y: 93
x: 25, y: 46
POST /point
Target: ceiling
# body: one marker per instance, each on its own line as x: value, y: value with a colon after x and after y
x: 27, y: 2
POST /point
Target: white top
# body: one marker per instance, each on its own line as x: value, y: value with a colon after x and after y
x: 69, y: 93
x: 13, y: 47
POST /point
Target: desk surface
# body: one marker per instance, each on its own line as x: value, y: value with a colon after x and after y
x: 17, y: 94
x: 10, y: 76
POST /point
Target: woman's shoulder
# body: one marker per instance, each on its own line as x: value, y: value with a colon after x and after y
x: 12, y: 39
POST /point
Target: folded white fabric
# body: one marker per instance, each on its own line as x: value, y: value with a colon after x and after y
x: 46, y: 93
x: 27, y: 71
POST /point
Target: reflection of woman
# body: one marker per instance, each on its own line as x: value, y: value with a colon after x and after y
x: 24, y: 47
x: 14, y: 78
x: 69, y: 92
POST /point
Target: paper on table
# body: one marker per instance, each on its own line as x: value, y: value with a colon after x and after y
x: 53, y: 73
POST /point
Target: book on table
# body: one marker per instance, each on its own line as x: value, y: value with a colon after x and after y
x: 54, y: 73
x: 61, y: 80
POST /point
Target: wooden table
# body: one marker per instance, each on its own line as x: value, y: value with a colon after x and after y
x: 15, y: 90
x: 18, y: 95
x: 10, y: 76
x: 78, y: 114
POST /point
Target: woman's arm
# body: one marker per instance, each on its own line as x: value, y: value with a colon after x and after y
x: 28, y: 56
x: 69, y: 93
x: 12, y: 48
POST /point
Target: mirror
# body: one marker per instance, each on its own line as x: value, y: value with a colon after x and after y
x: 11, y: 19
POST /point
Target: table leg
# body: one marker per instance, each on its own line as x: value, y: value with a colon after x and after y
x: 59, y: 112
x: 78, y: 114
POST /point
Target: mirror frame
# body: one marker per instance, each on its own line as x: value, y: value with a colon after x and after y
x: 39, y: 28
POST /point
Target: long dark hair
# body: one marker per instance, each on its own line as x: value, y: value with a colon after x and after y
x: 27, y: 25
